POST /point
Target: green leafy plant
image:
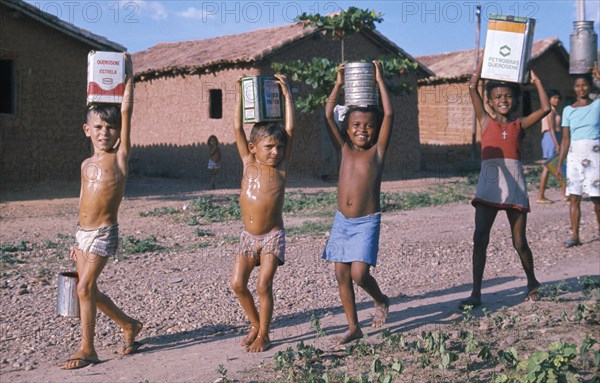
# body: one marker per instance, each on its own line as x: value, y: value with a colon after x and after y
x: 203, y: 233
x: 217, y: 211
x: 342, y: 24
x: 222, y: 371
x: 509, y: 358
x: 14, y: 247
x: 590, y: 286
x: 320, y: 73
x: 433, y: 344
x: 393, y: 341
x: 284, y: 359
x: 132, y: 245
x: 554, y: 365
x: 315, y: 324
x: 585, y: 313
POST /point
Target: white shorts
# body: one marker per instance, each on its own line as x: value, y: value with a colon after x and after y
x: 583, y: 168
x: 213, y: 165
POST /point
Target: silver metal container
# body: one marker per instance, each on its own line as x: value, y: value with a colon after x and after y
x: 360, y: 87
x: 67, y: 302
x: 584, y: 47
x: 262, y: 99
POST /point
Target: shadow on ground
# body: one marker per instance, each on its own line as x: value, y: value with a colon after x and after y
x: 426, y: 317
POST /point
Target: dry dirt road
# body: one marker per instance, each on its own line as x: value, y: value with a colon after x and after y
x: 193, y: 321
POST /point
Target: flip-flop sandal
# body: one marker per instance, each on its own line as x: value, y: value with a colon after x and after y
x: 130, y: 348
x: 544, y: 201
x: 572, y: 243
x: 84, y: 363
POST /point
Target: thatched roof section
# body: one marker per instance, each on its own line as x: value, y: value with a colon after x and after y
x: 97, y: 42
x: 458, y: 65
x: 210, y: 55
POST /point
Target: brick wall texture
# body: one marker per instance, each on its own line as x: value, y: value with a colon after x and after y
x: 446, y: 114
x: 44, y: 139
x: 171, y: 122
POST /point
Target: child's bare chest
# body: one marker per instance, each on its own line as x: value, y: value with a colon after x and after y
x: 102, y: 172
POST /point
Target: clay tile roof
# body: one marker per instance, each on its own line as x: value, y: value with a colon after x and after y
x: 204, y: 56
x: 95, y: 41
x: 194, y: 56
x: 460, y: 64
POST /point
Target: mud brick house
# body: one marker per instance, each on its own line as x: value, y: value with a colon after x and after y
x: 43, y: 64
x: 445, y: 111
x: 185, y: 91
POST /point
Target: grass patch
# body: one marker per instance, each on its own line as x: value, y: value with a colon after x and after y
x: 533, y: 173
x: 299, y: 201
x: 204, y: 233
x: 309, y: 228
x: 9, y: 259
x: 440, y: 195
x: 14, y: 247
x: 217, y: 210
x: 213, y: 209
x: 159, y: 211
x: 132, y: 245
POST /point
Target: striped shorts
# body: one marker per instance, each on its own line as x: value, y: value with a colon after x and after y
x: 103, y: 241
x: 253, y: 246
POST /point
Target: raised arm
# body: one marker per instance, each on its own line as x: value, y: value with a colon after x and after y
x: 385, y: 131
x: 126, y: 110
x: 480, y: 113
x: 238, y: 126
x: 334, y: 132
x: 289, y: 115
x: 544, y: 108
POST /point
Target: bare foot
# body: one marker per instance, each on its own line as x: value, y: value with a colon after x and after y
x: 130, y: 332
x: 80, y: 360
x: 260, y: 344
x: 249, y: 339
x: 349, y: 336
x: 533, y: 293
x: 471, y: 301
x: 381, y: 312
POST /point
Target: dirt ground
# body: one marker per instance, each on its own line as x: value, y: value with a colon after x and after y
x: 193, y: 322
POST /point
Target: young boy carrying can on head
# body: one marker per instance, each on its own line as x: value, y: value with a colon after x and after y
x: 103, y: 177
x: 265, y: 157
x: 354, y: 240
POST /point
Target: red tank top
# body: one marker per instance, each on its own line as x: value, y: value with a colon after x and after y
x: 502, y: 140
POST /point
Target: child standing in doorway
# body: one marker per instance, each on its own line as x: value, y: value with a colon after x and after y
x: 502, y: 183
x: 354, y: 240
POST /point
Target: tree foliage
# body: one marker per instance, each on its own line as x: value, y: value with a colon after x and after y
x: 342, y: 24
x: 320, y: 73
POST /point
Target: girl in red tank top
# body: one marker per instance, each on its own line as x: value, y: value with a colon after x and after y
x: 501, y: 183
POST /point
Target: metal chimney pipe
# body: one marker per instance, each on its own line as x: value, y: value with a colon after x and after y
x: 580, y: 10
x: 583, y: 43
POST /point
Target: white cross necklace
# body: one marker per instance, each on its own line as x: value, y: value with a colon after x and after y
x: 504, y: 134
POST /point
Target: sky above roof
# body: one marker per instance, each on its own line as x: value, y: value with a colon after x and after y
x: 419, y: 27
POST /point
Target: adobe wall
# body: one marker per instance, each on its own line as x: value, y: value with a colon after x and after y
x: 43, y: 140
x: 173, y: 112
